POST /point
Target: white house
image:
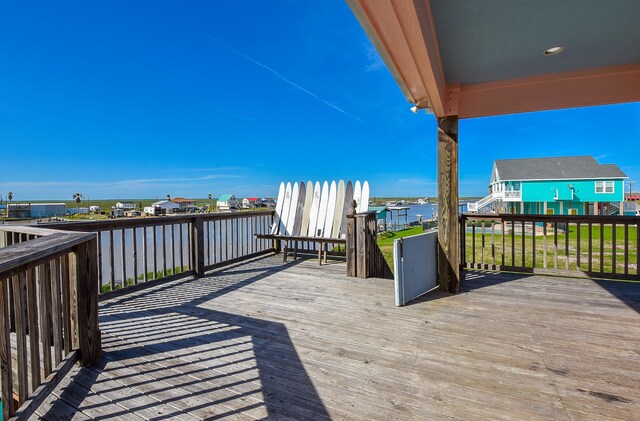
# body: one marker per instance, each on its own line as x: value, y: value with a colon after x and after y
x: 125, y: 205
x: 161, y: 207
x: 251, y: 202
x: 227, y: 202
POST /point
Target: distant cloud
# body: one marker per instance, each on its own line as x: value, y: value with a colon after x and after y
x: 375, y: 61
x: 603, y: 156
x: 284, y: 79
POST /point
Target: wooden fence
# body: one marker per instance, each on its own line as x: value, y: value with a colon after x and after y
x: 364, y: 258
x: 590, y: 246
x: 135, y: 251
x: 48, y: 312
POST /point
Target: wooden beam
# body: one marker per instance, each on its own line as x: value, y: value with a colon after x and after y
x: 403, y: 32
x: 602, y: 86
x: 448, y: 226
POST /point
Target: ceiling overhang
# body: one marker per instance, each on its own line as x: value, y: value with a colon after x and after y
x: 406, y: 36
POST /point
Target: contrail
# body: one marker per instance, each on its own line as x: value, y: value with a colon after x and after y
x: 284, y: 79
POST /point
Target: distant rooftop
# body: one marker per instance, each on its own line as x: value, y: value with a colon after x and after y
x: 567, y: 167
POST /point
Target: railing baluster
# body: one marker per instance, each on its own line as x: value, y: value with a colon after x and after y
x: 123, y: 259
x: 164, y: 250
x: 614, y: 228
x: 66, y: 303
x: 34, y: 334
x: 56, y: 310
x: 578, y: 252
x: 155, y: 253
x: 638, y: 251
x: 590, y: 257
x: 601, y: 247
x: 503, y: 230
x: 555, y: 245
x: 566, y: 246
x: 237, y: 236
x: 145, y: 255
x: 534, y: 231
x: 45, y: 316
x: 173, y: 248
x: 100, y: 255
x: 112, y: 269
x: 493, y: 244
x: 523, y: 239
x: 181, y: 226
x: 134, y: 240
x: 6, y: 369
x: 626, y: 248
x: 544, y: 244
x: 483, y: 245
x: 473, y: 243
x: 20, y: 305
x: 513, y: 243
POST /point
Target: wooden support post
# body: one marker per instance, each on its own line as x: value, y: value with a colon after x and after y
x: 448, y: 225
x: 198, y: 246
x: 351, y: 245
x: 84, y: 297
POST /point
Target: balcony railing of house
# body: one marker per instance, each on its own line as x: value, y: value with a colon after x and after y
x: 512, y: 194
x: 48, y: 311
x: 569, y: 245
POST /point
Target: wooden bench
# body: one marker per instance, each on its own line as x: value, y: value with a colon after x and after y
x: 321, y: 241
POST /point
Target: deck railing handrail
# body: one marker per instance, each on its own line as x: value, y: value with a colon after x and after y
x: 48, y: 309
x: 571, y: 245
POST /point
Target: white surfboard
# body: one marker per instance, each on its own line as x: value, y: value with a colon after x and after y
x: 348, y: 198
x: 304, y: 227
x: 278, y: 212
x: 338, y: 214
x: 293, y: 208
x: 315, y: 206
x: 331, y: 208
x: 363, y: 204
x: 285, y: 210
x: 322, y: 210
x: 357, y: 192
x: 297, y: 222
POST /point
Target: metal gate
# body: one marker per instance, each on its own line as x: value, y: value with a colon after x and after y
x: 415, y: 266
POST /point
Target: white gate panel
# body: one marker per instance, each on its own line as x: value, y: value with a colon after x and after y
x: 416, y: 266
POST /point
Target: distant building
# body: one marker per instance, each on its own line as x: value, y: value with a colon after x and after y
x: 227, y: 202
x: 268, y: 202
x: 161, y: 207
x: 251, y: 202
x: 125, y: 205
x: 184, y: 204
x: 94, y: 209
x: 35, y: 210
x: 573, y: 185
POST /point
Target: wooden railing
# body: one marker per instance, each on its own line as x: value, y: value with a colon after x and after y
x: 48, y: 312
x: 135, y: 251
x: 592, y: 246
x: 364, y: 258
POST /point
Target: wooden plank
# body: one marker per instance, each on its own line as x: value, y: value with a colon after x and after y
x: 544, y: 245
x: 180, y: 227
x: 513, y: 243
x: 566, y: 247
x: 493, y: 244
x: 448, y: 224
x: 172, y: 247
x: 638, y: 250
x: 20, y: 304
x: 352, y: 242
x: 145, y: 255
x: 626, y: 248
x: 533, y: 241
x: 66, y: 303
x: 164, y: 250
x: 6, y: 370
x: 100, y: 256
x: 523, y: 248
x: 123, y: 258
x: 578, y: 252
x: 601, y: 247
x: 34, y: 334
x: 198, y: 255
x: 134, y: 241
x: 614, y: 249
x: 155, y: 253
x: 590, y: 246
x: 473, y: 243
x: 555, y: 245
x: 56, y: 311
x: 44, y: 311
x: 112, y: 279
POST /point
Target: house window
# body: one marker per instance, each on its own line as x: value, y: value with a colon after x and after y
x: 604, y: 186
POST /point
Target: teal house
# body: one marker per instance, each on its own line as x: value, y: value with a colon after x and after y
x: 574, y: 185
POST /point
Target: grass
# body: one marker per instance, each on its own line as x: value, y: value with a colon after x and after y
x: 386, y: 239
x: 565, y: 242
x: 150, y: 275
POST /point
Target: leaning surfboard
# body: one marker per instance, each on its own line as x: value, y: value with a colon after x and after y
x: 357, y: 192
x: 297, y: 221
x: 304, y: 228
x: 277, y: 214
x: 331, y: 208
x: 285, y: 209
x: 293, y: 208
x: 363, y: 204
x: 315, y: 206
x: 338, y: 214
x: 322, y: 210
x: 348, y: 198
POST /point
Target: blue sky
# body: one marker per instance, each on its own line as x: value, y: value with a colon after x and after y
x: 125, y: 99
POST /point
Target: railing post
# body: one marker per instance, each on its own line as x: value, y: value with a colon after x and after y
x: 198, y: 246
x: 84, y: 293
x: 351, y: 241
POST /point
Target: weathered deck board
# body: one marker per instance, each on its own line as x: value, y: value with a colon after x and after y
x: 298, y: 341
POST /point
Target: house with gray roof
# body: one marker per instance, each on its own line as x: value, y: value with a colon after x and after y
x: 571, y: 185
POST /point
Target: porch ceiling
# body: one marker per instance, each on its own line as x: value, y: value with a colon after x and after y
x: 485, y: 57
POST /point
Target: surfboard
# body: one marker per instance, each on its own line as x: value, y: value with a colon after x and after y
x: 278, y: 212
x: 315, y: 206
x: 297, y: 222
x: 363, y: 205
x: 348, y: 198
x: 293, y: 208
x: 357, y: 192
x: 322, y: 210
x: 285, y: 210
x: 337, y: 215
x: 331, y: 208
x: 304, y: 227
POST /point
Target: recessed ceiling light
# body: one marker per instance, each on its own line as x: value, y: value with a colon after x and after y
x: 553, y: 50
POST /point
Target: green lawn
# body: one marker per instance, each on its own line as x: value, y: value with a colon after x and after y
x: 567, y: 248
x: 385, y: 241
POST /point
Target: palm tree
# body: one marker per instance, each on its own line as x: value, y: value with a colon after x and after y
x: 9, y: 198
x: 169, y: 197
x: 78, y: 198
x: 211, y: 199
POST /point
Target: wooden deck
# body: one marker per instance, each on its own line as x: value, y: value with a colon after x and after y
x: 297, y: 341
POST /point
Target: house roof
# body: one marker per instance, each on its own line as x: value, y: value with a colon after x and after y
x: 163, y: 202
x: 252, y: 199
x: 566, y: 167
x: 182, y: 200
x: 225, y: 197
x: 487, y: 57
